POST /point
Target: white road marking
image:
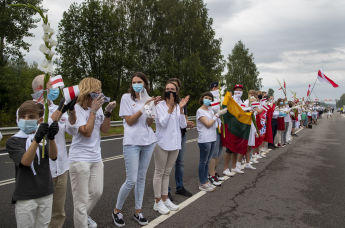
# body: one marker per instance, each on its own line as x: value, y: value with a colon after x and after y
x: 12, y: 180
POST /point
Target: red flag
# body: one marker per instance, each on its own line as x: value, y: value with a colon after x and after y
x: 308, y: 92
x: 323, y: 78
x: 284, y: 85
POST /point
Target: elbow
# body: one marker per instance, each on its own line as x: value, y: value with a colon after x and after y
x: 25, y: 163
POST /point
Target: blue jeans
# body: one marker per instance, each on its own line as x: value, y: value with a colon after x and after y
x: 206, y: 151
x: 137, y: 160
x: 179, y: 166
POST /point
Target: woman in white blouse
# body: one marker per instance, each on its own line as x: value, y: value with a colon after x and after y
x: 138, y: 144
x: 169, y: 121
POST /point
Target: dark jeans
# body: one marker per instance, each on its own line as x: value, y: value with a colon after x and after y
x: 179, y: 165
x: 206, y: 150
x: 274, y: 129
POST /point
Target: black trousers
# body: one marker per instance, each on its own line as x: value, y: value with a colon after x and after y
x: 274, y: 129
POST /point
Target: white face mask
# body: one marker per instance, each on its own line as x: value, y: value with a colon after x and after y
x: 238, y: 94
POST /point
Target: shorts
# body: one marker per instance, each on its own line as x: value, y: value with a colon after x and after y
x: 293, y: 123
x: 218, y: 147
x: 314, y: 117
x: 229, y: 151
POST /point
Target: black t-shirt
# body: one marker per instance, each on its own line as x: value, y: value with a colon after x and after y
x: 184, y: 130
x: 29, y: 186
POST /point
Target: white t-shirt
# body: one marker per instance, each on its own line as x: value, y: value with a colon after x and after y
x: 61, y: 164
x: 205, y: 134
x: 139, y: 133
x: 216, y: 108
x: 83, y: 148
x: 169, y: 126
x: 287, y: 118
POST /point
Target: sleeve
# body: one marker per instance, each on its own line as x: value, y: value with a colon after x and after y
x: 183, y: 121
x: 162, y: 115
x: 15, y: 150
x: 125, y: 108
x: 81, y: 121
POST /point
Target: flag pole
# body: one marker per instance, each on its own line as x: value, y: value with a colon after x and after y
x: 312, y: 88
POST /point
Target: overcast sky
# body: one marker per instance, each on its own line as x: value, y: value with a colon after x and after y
x: 290, y: 40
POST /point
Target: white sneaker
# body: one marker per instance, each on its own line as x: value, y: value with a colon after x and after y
x: 206, y: 188
x: 211, y: 186
x: 255, y: 161
x: 170, y: 205
x: 227, y: 173
x: 91, y: 223
x: 249, y: 166
x: 258, y: 156
x: 161, y: 208
x: 263, y: 155
x: 237, y: 170
x: 221, y: 178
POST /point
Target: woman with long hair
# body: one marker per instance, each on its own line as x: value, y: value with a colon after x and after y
x: 138, y: 144
x: 170, y: 119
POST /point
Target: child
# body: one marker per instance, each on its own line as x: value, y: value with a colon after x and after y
x: 33, y: 193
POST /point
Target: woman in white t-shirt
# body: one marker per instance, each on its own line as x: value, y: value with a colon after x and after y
x: 138, y: 144
x: 86, y: 166
x: 170, y: 119
x: 207, y: 135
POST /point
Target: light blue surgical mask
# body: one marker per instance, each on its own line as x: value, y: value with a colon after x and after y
x: 138, y: 87
x: 28, y: 126
x: 281, y: 103
x: 53, y: 94
x: 206, y: 102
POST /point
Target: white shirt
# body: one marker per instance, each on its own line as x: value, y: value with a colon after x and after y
x: 60, y: 165
x: 168, y: 127
x: 287, y: 118
x: 139, y: 133
x: 83, y: 148
x: 205, y: 134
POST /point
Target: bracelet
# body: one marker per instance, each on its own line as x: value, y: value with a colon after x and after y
x: 107, y: 114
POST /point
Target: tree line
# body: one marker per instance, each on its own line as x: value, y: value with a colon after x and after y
x: 112, y: 39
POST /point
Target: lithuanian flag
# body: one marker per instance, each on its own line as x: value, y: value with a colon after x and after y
x: 236, y: 126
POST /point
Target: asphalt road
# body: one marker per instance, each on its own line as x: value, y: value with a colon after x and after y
x: 301, y: 185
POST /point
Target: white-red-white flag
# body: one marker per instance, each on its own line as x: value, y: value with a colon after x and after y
x: 57, y: 82
x: 70, y: 93
x: 308, y: 92
x: 323, y: 78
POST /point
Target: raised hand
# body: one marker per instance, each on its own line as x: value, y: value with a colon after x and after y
x: 184, y: 101
x: 97, y: 103
x: 110, y: 107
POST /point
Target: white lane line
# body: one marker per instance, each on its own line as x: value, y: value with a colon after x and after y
x: 12, y: 180
x: 182, y: 205
x: 298, y: 130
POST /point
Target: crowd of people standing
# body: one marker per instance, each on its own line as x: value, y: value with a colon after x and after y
x: 42, y: 173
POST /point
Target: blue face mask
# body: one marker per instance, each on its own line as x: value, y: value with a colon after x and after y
x: 281, y: 103
x: 53, y: 94
x: 138, y: 87
x: 207, y: 102
x: 28, y: 126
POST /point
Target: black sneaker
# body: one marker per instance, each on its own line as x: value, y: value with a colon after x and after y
x: 118, y: 219
x: 170, y: 197
x: 214, y: 182
x: 140, y: 219
x: 184, y: 192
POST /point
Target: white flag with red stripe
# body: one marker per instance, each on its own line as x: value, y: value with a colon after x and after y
x: 323, y: 78
x: 57, y: 81
x: 308, y: 92
x: 70, y: 93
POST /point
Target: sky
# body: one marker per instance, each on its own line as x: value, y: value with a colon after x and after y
x: 290, y: 40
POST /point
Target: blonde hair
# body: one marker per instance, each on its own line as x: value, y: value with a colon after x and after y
x: 86, y: 86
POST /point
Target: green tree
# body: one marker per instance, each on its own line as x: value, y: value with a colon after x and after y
x: 242, y: 69
x: 341, y: 102
x: 270, y: 92
x: 15, y: 24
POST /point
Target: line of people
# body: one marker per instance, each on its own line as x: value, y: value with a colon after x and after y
x: 41, y: 175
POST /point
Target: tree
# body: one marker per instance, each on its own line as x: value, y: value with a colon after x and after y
x: 270, y: 92
x: 341, y: 102
x: 242, y: 70
x: 15, y: 24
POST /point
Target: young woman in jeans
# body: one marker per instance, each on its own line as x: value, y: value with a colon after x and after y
x: 207, y: 136
x: 169, y: 121
x: 138, y: 144
x: 86, y: 166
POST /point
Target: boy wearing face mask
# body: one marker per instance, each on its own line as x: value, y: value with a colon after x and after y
x: 33, y: 193
x: 59, y: 167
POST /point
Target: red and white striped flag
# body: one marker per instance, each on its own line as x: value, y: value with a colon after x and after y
x: 70, y: 93
x: 215, y: 103
x: 323, y: 78
x: 308, y: 92
x: 57, y: 81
